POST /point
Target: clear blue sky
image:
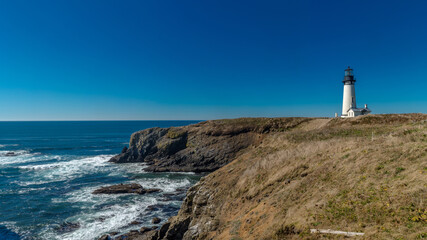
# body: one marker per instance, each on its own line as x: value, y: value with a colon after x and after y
x: 105, y: 59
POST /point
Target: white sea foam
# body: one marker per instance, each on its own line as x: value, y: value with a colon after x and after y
x: 66, y: 170
x: 27, y: 190
x: 30, y: 183
x: 114, y: 218
x: 102, y: 214
x: 85, y: 196
x: 105, y: 213
x: 101, y: 150
x: 21, y: 156
x: 8, y: 145
x: 165, y: 184
x: 183, y: 173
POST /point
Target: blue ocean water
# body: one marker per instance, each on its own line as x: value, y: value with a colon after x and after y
x: 49, y: 169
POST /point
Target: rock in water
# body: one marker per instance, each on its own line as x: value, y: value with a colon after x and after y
x: 155, y: 220
x: 104, y: 237
x: 124, y: 188
x: 67, y: 227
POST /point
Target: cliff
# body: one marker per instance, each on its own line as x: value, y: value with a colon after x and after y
x: 367, y: 174
x: 202, y: 147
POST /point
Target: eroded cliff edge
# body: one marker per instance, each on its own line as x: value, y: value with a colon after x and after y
x: 366, y: 174
x: 202, y: 147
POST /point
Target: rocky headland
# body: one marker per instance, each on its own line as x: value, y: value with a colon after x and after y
x: 277, y: 178
x: 202, y: 147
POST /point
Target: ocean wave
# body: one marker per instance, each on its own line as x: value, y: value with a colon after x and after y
x: 30, y: 183
x: 8, y: 230
x: 85, y: 196
x: 67, y: 170
x: 8, y: 145
x: 27, y: 158
x: 27, y: 190
x: 165, y: 184
x: 112, y: 219
x: 101, y: 150
x: 103, y: 214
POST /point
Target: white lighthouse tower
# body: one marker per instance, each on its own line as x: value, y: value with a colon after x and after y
x: 349, y: 108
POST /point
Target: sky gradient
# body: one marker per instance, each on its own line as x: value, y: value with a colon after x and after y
x: 139, y: 60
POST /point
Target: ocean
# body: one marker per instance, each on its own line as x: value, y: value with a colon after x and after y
x: 48, y: 171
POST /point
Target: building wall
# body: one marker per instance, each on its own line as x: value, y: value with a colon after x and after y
x: 349, y: 98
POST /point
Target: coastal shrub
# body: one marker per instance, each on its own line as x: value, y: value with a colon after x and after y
x: 173, y: 134
x: 286, y: 230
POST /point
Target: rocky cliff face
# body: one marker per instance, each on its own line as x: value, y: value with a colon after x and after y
x: 203, y: 147
x: 366, y: 174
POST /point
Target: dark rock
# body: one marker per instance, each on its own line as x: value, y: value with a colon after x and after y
x: 10, y: 154
x: 181, y: 189
x: 151, y: 235
x: 151, y: 190
x: 132, y: 235
x: 155, y: 220
x: 152, y: 207
x: 144, y: 229
x: 104, y: 237
x: 67, y: 227
x: 142, y: 144
x: 124, y: 188
x: 287, y: 181
x: 168, y: 194
x: 113, y: 233
x: 135, y: 223
x: 163, y: 230
x: 136, y: 235
x: 125, y: 149
x: 304, y: 174
x: 196, y: 204
x: 177, y: 230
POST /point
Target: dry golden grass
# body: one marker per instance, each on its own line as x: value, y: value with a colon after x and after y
x: 367, y: 174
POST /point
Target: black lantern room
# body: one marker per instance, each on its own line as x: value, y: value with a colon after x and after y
x: 348, y: 76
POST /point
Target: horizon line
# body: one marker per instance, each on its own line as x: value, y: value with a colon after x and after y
x: 100, y: 120
x: 136, y: 120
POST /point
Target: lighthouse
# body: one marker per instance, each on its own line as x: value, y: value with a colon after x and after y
x: 349, y: 107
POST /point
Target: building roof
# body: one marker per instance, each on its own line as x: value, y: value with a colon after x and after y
x: 359, y: 110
